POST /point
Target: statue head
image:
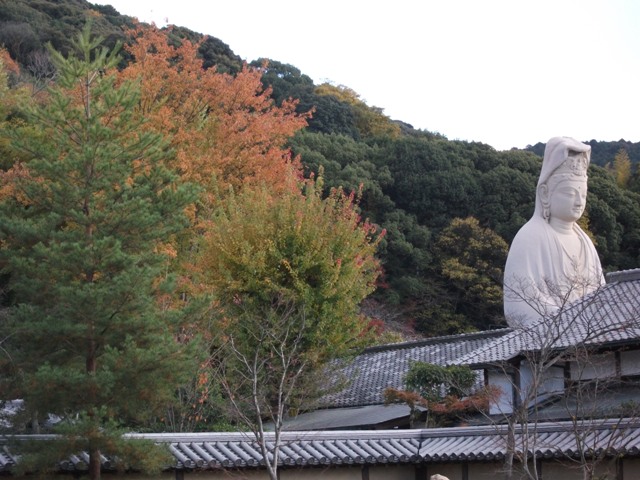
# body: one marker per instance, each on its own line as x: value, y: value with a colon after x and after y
x: 562, y: 186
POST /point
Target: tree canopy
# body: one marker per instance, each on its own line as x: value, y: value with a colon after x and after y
x: 311, y: 253
x: 82, y: 233
x: 117, y: 182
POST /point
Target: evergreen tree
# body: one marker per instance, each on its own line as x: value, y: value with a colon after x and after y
x: 471, y: 259
x: 82, y: 237
x: 622, y: 168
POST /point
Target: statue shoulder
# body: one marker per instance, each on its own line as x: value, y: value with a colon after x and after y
x: 535, y: 232
x: 532, y: 250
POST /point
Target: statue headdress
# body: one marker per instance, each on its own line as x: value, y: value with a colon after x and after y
x: 563, y: 157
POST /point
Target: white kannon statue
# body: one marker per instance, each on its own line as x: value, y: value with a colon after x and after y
x: 552, y: 262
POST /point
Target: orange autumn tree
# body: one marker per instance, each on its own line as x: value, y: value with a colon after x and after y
x: 13, y: 95
x: 226, y: 130
x: 227, y: 133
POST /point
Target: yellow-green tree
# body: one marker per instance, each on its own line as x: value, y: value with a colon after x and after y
x: 622, y: 168
x: 294, y: 247
x: 370, y: 121
x: 287, y: 273
x: 472, y: 259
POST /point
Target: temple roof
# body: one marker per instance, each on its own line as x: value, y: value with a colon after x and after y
x: 609, y: 316
x: 463, y: 444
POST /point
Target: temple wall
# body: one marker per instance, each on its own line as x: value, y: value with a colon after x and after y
x: 504, y: 405
x: 631, y: 468
x: 599, y: 366
x: 392, y: 472
x: 450, y: 470
x: 630, y: 362
x: 550, y: 470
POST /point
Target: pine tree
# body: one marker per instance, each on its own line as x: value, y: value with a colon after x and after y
x: 82, y: 241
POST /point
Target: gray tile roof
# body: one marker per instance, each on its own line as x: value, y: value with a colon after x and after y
x: 610, y: 316
x: 380, y: 367
x: 544, y: 440
x: 350, y: 418
x: 6, y: 459
x: 465, y: 444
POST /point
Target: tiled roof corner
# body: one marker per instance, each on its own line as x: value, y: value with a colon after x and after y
x: 623, y: 275
x: 608, y: 316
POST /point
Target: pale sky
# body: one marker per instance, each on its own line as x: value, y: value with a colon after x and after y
x: 503, y: 72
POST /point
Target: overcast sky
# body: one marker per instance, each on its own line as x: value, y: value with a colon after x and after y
x: 504, y: 72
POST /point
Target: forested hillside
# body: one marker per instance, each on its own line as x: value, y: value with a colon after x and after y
x: 449, y: 208
x: 188, y: 243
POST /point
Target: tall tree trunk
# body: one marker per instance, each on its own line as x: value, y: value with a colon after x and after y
x: 94, y: 464
x: 91, y: 367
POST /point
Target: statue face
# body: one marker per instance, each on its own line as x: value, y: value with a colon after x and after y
x: 568, y: 199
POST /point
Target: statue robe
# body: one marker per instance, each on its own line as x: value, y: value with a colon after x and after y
x: 540, y: 276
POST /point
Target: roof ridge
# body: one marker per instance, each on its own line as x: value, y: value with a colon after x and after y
x: 623, y: 275
x: 418, y: 433
x: 434, y: 340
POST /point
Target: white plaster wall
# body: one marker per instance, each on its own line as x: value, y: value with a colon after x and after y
x: 504, y: 405
x: 392, y: 472
x: 630, y: 362
x: 596, y: 366
x: 550, y: 382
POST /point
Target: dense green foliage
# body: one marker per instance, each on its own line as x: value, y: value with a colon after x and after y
x: 96, y: 214
x: 286, y: 81
x: 414, y: 183
x: 26, y: 26
x: 602, y: 153
x: 434, y: 382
